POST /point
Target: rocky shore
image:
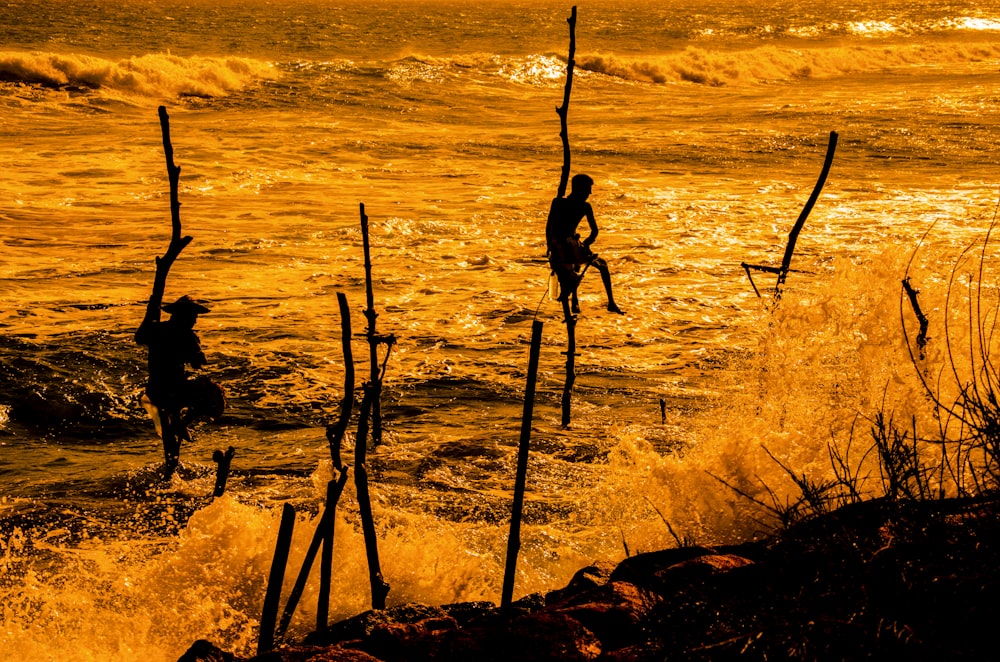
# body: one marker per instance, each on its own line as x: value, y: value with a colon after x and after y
x: 880, y: 579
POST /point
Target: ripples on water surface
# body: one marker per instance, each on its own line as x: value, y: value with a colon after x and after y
x: 705, y: 128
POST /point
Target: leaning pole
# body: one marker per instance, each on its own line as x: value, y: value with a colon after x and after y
x: 568, y: 316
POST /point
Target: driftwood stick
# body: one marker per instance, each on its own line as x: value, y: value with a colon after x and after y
x: 921, y: 318
x: 222, y: 461
x: 570, y: 360
x: 379, y: 587
x: 324, y: 530
x: 757, y: 267
x: 177, y: 242
x: 173, y: 175
x: 272, y: 597
x: 793, y: 236
x: 520, y: 480
x: 750, y: 268
x: 335, y: 432
x: 563, y: 110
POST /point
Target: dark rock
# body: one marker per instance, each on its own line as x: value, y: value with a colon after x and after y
x: 543, y: 637
x: 338, y: 654
x: 585, y: 579
x: 362, y: 625
x: 694, y: 571
x: 466, y: 613
x: 205, y: 651
x: 427, y: 639
x: 314, y: 654
x: 646, y: 652
x: 640, y: 568
x: 528, y: 604
x: 614, y: 612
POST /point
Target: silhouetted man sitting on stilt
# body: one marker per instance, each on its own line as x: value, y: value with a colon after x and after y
x: 172, y: 400
x: 567, y: 254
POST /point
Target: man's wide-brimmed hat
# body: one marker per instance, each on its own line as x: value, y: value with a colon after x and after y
x: 185, y: 305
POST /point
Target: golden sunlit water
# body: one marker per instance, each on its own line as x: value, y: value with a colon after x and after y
x: 704, y: 125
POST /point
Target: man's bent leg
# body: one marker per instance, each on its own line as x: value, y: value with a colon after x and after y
x: 568, y: 281
x: 602, y: 267
x: 171, y: 441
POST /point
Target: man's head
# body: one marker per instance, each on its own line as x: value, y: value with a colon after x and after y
x: 185, y: 310
x: 582, y: 185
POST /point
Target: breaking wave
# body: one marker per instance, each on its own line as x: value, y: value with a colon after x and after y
x: 154, y: 75
x: 705, y: 66
x: 773, y: 63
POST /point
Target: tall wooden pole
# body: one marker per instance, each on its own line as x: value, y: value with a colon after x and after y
x: 333, y: 492
x: 520, y: 480
x: 169, y: 434
x: 322, y: 537
x: 272, y: 598
x: 373, y: 338
x: 570, y: 319
x: 335, y: 432
x: 563, y: 110
x: 568, y: 316
x: 378, y: 584
x: 370, y: 411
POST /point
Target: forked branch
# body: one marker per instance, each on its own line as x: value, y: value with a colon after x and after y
x: 177, y: 241
x: 793, y: 236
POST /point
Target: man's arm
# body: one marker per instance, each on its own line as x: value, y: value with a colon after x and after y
x: 195, y: 356
x: 152, y: 317
x: 589, y: 211
x: 144, y: 334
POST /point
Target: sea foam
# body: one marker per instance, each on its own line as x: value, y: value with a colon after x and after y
x: 775, y: 63
x: 156, y: 75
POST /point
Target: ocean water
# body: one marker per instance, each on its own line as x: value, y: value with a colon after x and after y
x: 704, y: 125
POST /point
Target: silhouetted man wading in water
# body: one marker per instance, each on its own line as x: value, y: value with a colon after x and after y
x: 173, y: 400
x: 567, y: 254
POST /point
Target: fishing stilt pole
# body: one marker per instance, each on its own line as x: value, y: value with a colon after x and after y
x: 272, y: 598
x: 380, y: 588
x: 172, y: 430
x: 520, y: 480
x: 370, y: 410
x: 566, y: 297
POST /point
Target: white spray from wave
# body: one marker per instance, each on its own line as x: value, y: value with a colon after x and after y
x: 153, y: 75
x: 772, y: 63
